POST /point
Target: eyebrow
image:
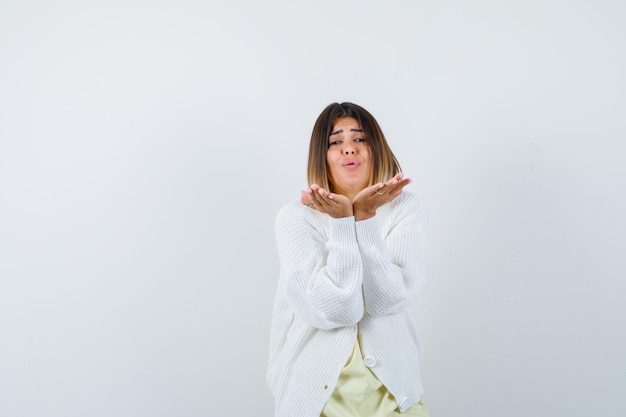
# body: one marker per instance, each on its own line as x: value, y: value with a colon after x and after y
x: 341, y: 131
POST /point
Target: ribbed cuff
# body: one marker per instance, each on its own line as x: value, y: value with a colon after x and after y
x: 342, y: 230
x: 368, y: 232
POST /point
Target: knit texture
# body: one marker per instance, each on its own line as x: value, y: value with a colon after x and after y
x: 339, y: 277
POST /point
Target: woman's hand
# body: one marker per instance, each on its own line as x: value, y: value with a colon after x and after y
x: 335, y: 205
x: 369, y: 199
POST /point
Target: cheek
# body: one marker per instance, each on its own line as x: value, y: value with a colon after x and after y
x: 366, y: 153
x: 329, y: 163
x: 331, y: 156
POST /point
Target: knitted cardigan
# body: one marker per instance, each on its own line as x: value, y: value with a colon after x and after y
x: 339, y: 277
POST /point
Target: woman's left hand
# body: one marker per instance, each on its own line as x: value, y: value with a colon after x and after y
x: 369, y: 199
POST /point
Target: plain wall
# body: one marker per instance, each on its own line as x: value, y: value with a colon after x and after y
x: 146, y: 146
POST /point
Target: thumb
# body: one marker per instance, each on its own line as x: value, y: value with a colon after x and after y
x: 305, y: 198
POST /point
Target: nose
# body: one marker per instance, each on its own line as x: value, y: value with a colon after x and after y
x: 348, y: 149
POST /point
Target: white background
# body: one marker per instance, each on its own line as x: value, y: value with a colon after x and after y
x: 146, y: 146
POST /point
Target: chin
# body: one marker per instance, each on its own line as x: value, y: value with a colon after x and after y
x: 356, y: 185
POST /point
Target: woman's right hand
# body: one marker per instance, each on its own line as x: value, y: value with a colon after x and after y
x: 335, y: 205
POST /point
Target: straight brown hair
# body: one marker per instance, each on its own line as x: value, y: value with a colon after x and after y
x: 385, y: 165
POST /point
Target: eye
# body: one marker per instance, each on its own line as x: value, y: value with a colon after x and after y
x: 360, y: 140
x: 337, y: 142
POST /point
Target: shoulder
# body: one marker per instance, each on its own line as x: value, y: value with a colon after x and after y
x: 299, y: 225
x: 408, y: 205
x: 289, y: 214
x: 409, y: 201
x: 293, y: 208
x: 296, y: 214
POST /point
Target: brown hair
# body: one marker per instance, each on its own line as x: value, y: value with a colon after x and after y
x: 385, y: 164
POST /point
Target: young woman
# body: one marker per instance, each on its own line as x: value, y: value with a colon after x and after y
x: 343, y: 342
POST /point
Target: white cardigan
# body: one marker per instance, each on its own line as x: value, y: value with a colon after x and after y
x: 339, y: 277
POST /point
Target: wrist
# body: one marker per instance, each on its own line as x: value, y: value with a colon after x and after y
x: 362, y: 215
x: 341, y: 215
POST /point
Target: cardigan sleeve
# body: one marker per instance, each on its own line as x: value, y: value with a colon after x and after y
x: 323, y: 276
x: 392, y: 264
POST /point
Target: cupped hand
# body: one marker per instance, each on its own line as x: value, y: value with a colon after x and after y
x: 371, y: 198
x: 335, y: 205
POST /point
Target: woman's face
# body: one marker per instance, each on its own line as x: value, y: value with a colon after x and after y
x: 348, y: 158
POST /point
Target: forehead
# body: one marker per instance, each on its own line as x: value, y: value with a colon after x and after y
x: 345, y: 123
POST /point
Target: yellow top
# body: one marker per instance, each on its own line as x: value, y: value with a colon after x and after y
x: 359, y: 393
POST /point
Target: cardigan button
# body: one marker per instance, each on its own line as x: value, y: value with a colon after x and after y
x: 369, y: 361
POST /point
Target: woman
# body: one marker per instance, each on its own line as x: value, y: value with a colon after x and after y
x: 343, y: 342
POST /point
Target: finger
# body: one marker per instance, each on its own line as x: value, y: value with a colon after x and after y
x: 392, y: 188
x: 317, y: 197
x: 378, y: 188
x: 393, y: 181
x: 385, y: 187
x: 314, y: 198
x: 397, y: 189
x: 403, y: 183
x: 324, y: 196
x: 305, y: 198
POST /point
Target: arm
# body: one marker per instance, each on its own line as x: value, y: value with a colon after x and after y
x: 323, y: 274
x: 392, y: 264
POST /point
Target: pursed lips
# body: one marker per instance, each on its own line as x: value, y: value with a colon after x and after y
x: 351, y: 164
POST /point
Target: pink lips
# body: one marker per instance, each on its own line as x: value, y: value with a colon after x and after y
x: 351, y: 164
